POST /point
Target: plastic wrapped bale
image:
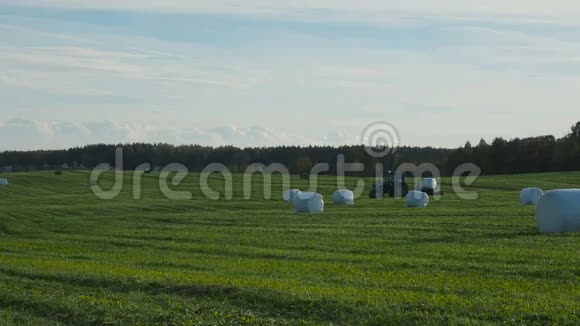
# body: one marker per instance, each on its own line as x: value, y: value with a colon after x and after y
x: 308, y: 202
x: 343, y: 197
x: 417, y: 199
x: 429, y: 183
x: 430, y: 186
x: 530, y: 196
x: 289, y: 195
x: 559, y: 211
x: 3, y: 182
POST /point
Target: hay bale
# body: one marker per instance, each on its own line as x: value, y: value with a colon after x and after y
x: 3, y: 182
x: 289, y: 195
x: 559, y: 211
x: 308, y: 202
x: 530, y: 196
x: 417, y: 199
x: 429, y: 183
x: 343, y: 197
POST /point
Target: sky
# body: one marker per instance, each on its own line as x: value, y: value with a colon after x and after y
x: 265, y: 72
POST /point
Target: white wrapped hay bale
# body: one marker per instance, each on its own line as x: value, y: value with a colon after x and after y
x: 417, y: 199
x: 3, y: 182
x: 559, y: 211
x: 343, y: 197
x: 530, y: 196
x: 429, y: 183
x: 289, y: 195
x: 308, y: 202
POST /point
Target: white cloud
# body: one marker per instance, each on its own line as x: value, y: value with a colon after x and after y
x: 33, y: 134
x: 469, y: 81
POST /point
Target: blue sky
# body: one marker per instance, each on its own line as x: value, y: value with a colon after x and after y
x: 257, y: 72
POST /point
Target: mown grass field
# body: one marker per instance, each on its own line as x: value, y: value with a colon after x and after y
x: 67, y: 257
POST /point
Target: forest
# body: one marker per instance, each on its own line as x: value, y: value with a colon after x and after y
x: 501, y: 156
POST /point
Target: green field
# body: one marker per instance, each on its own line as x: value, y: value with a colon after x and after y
x: 67, y: 257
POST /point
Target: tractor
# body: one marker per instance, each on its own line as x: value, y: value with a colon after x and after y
x: 394, y: 185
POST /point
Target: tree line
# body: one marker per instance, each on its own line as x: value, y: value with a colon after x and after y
x: 501, y: 156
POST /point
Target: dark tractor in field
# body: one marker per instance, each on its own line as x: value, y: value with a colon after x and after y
x: 394, y: 185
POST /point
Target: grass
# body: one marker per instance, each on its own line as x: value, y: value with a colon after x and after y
x: 67, y: 257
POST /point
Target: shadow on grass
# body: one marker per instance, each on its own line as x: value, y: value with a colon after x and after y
x: 266, y: 302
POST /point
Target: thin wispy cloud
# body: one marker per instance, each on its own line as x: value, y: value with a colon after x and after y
x: 552, y: 10
x: 306, y: 70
